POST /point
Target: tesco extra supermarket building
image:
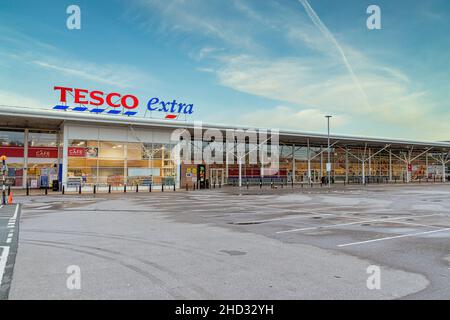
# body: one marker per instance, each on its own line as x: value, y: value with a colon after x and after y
x: 100, y: 148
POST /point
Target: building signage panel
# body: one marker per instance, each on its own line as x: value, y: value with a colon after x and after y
x: 13, y: 152
x: 76, y: 152
x: 43, y: 152
x: 114, y: 103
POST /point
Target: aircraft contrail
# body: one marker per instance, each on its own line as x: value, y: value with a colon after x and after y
x: 319, y: 24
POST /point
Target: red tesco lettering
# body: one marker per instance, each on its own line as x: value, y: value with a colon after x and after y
x: 98, y: 98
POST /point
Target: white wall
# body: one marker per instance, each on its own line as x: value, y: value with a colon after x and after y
x: 121, y: 134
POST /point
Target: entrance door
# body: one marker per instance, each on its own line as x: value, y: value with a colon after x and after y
x: 217, y: 176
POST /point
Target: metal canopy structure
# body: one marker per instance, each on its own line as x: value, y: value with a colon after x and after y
x: 354, y: 157
x: 33, y: 118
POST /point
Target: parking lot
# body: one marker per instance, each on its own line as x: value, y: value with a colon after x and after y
x: 9, y: 216
x: 237, y: 244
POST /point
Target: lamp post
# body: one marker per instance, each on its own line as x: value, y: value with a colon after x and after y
x: 329, y: 159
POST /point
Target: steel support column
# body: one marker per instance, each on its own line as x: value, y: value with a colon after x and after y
x: 25, y: 158
x: 390, y: 165
x: 308, y: 155
x: 346, y: 164
x: 240, y: 172
x: 293, y: 163
x: 321, y: 162
x: 65, y: 159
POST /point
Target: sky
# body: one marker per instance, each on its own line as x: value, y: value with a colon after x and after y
x: 276, y: 63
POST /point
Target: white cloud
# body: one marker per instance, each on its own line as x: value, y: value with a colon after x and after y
x: 121, y: 76
x: 194, y: 17
x: 321, y: 86
x: 288, y: 117
x: 30, y: 52
x: 19, y: 100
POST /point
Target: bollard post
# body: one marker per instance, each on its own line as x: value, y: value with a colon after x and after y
x: 95, y: 189
x: 125, y: 188
x: 46, y: 190
x: 79, y: 189
x: 150, y: 187
x: 174, y: 186
x: 292, y: 183
x: 9, y: 190
x: 63, y: 190
x: 220, y: 184
x: 162, y: 186
x: 28, y: 189
x: 137, y: 188
x: 247, y: 183
x: 260, y: 183
x: 109, y: 188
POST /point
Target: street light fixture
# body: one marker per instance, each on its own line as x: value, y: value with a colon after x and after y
x: 329, y: 159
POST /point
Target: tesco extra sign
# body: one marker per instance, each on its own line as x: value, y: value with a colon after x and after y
x: 97, y: 101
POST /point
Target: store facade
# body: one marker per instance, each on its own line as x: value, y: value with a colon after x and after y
x: 45, y: 147
x: 104, y: 155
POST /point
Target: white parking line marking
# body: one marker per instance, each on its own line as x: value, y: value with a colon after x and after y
x: 3, y: 260
x: 15, y: 212
x: 304, y: 215
x: 394, y: 237
x: 353, y: 223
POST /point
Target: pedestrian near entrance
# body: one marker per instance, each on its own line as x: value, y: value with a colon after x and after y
x: 4, y: 169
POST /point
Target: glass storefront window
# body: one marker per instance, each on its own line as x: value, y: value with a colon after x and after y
x: 134, y: 151
x: 41, y: 139
x: 116, y: 163
x: 111, y: 150
x: 78, y: 143
x: 157, y: 151
x: 11, y: 139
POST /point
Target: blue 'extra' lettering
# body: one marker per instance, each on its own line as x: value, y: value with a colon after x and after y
x: 151, y: 103
x: 154, y: 104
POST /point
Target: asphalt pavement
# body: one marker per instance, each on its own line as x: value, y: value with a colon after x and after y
x: 9, y: 233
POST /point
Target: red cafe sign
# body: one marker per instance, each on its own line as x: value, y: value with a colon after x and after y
x: 33, y: 152
x: 76, y: 152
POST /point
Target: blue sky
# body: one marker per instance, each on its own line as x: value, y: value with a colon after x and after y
x: 262, y: 63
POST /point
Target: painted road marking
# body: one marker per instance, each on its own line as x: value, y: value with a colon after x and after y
x: 394, y: 237
x: 304, y: 215
x: 10, y: 235
x: 12, y: 220
x: 353, y: 223
x: 15, y: 212
x: 3, y: 260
